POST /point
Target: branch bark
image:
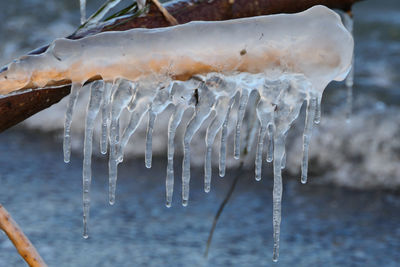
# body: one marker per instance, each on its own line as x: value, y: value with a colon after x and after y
x: 16, y: 108
x: 20, y: 241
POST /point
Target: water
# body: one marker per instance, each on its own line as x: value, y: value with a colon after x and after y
x: 321, y: 225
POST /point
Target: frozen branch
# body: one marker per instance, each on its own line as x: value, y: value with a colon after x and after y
x: 16, y: 108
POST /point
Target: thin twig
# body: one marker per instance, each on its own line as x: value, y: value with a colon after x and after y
x: 233, y: 185
x: 222, y: 206
x: 165, y: 13
x: 20, y: 241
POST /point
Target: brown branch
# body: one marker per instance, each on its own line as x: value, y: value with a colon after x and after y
x: 166, y: 14
x: 16, y: 108
x: 20, y: 241
x: 189, y: 10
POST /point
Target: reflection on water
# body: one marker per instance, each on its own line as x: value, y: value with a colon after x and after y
x: 322, y: 225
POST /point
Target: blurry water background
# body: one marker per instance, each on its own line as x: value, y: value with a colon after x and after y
x: 348, y: 213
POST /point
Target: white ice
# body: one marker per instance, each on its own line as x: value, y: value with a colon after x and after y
x: 268, y: 65
x: 314, y: 43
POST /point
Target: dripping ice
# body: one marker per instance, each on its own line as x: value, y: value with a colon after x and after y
x: 269, y: 96
x: 82, y: 4
x: 68, y: 120
x: 277, y: 104
x: 96, y: 96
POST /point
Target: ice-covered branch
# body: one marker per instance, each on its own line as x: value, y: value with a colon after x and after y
x: 15, y: 108
x: 271, y: 64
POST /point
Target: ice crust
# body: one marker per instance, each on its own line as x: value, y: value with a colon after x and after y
x: 314, y: 43
x: 266, y: 66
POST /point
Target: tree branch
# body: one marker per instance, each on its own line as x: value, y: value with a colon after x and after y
x: 16, y: 108
x: 20, y: 241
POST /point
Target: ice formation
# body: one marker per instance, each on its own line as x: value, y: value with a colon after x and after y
x: 83, y: 10
x: 211, y: 67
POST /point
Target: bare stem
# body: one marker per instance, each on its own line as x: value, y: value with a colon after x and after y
x: 20, y: 241
x: 222, y: 206
x: 171, y: 19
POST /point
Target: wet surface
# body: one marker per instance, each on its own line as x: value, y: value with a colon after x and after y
x: 322, y: 225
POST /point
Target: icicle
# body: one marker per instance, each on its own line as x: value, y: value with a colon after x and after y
x: 265, y: 118
x: 137, y: 115
x: 207, y: 169
x: 96, y: 93
x: 240, y: 115
x: 149, y: 139
x: 149, y: 95
x: 259, y: 151
x: 224, y: 133
x: 279, y: 145
x: 265, y: 115
x: 120, y: 99
x: 317, y: 118
x: 310, y: 115
x: 68, y: 119
x: 210, y: 137
x: 284, y: 160
x: 348, y: 23
x: 221, y: 108
x: 83, y: 11
x: 225, y: 90
x: 181, y: 95
x: 252, y: 122
x: 105, y: 117
x: 172, y: 125
x: 270, y: 149
x: 202, y: 112
x: 254, y: 129
x: 117, y: 132
x: 193, y: 126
